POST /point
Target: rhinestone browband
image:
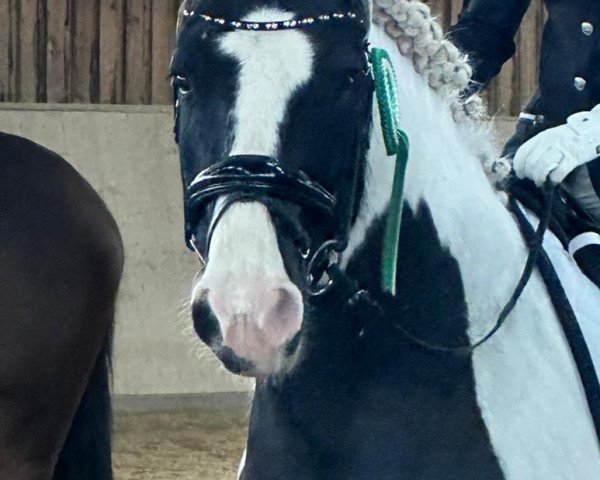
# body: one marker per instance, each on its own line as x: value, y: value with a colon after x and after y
x: 271, y: 26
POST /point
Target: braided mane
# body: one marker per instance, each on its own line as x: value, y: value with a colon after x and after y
x: 420, y: 37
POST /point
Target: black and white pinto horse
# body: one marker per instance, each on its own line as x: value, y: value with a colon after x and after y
x: 61, y: 259
x: 341, y: 393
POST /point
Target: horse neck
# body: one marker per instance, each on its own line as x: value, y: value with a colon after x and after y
x: 445, y: 175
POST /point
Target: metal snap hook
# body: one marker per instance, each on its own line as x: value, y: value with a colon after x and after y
x: 327, y: 252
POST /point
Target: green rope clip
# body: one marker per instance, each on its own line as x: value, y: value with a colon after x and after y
x: 396, y: 143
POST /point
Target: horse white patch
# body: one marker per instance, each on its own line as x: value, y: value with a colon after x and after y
x: 528, y: 387
x: 273, y: 66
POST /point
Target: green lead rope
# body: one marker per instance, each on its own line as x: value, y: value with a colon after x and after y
x: 391, y: 238
x: 396, y: 143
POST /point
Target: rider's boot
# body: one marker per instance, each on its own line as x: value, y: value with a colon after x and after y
x: 585, y: 249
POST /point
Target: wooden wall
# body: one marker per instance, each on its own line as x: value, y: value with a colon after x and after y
x: 518, y: 79
x: 117, y: 51
x: 86, y: 51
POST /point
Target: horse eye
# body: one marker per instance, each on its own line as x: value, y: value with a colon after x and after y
x: 182, y: 85
x: 354, y: 74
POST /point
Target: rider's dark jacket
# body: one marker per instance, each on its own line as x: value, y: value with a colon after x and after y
x: 569, y: 66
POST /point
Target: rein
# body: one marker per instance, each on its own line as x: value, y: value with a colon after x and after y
x: 535, y: 244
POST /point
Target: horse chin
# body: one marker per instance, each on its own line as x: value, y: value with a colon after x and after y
x: 280, y: 364
x: 236, y: 364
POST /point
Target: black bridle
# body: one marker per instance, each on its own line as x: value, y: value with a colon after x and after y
x: 263, y: 178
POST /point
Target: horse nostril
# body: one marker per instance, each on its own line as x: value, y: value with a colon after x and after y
x: 285, y: 303
x: 282, y: 313
x: 206, y: 324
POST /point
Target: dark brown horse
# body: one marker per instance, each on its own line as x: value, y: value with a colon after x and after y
x: 61, y: 260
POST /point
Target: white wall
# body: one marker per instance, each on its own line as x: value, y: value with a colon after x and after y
x: 128, y: 155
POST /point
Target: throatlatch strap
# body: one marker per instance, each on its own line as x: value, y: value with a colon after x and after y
x: 396, y: 143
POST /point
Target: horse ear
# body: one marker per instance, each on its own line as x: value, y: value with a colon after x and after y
x: 364, y: 7
x: 185, y: 5
x: 368, y: 6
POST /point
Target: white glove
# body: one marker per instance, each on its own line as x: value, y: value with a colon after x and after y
x: 556, y: 152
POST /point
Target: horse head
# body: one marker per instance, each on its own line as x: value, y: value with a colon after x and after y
x: 273, y: 112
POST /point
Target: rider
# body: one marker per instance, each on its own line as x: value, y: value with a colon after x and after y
x: 558, y: 133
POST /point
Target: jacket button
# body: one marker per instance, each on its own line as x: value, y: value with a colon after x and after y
x: 580, y: 83
x: 587, y: 28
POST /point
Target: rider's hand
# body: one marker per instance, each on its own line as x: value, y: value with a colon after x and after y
x: 556, y: 152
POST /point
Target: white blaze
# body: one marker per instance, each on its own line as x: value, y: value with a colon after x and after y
x: 272, y: 67
x: 246, y: 283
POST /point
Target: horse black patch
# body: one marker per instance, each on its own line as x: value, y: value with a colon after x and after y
x: 363, y: 403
